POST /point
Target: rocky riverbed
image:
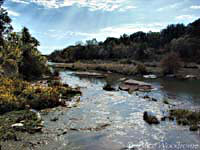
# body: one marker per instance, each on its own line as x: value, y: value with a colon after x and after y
x: 101, y: 119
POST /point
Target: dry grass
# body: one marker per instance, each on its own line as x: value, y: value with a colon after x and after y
x: 128, y: 69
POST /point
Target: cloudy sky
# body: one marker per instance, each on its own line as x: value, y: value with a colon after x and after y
x: 59, y: 23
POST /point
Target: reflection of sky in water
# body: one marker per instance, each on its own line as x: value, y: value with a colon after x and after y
x: 74, y: 81
x: 124, y: 113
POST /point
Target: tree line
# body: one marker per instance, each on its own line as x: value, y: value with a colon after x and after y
x: 179, y: 38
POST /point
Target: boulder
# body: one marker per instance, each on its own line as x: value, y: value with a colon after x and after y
x: 151, y: 76
x: 17, y: 125
x: 190, y: 77
x: 125, y: 87
x: 194, y: 128
x: 150, y: 118
x: 122, y: 79
x: 54, y: 119
x: 134, y: 85
x: 108, y: 87
x: 138, y: 83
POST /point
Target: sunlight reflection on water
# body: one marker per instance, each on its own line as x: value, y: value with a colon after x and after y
x: 124, y: 114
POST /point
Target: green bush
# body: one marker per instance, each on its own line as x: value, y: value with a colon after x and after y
x: 33, y: 65
x: 18, y: 94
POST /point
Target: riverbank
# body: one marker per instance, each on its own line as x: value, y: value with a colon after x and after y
x: 188, y: 71
x: 21, y: 101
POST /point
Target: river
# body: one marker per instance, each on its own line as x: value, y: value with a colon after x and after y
x: 105, y: 120
x: 114, y: 120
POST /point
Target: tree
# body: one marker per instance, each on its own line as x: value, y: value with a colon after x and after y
x: 35, y: 42
x: 138, y: 37
x: 5, y: 23
x: 171, y: 63
x: 91, y: 42
x: 153, y: 39
x: 79, y: 43
x: 33, y: 64
x: 26, y: 37
x: 111, y: 41
x: 124, y: 39
x: 172, y: 32
x: 187, y: 47
x: 140, y: 51
x: 1, y: 2
x: 193, y: 28
x: 19, y: 55
x: 12, y: 47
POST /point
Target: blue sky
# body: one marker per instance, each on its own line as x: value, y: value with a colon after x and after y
x: 60, y: 23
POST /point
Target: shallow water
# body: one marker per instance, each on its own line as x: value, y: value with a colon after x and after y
x: 114, y: 120
x: 122, y: 115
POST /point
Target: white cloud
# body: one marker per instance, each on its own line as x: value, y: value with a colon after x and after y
x: 102, y: 34
x: 116, y: 31
x: 188, y: 17
x: 127, y: 8
x: 20, y: 1
x: 93, y: 5
x: 168, y: 7
x: 11, y: 12
x: 195, y: 7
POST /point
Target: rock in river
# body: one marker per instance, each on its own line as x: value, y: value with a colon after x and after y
x: 150, y: 118
x: 134, y: 85
x: 194, y: 128
x: 109, y: 87
x: 190, y: 77
x: 151, y: 76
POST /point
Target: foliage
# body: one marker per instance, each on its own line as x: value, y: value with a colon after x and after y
x: 151, y: 46
x: 140, y: 69
x: 19, y: 56
x: 186, y: 117
x: 21, y: 48
x: 17, y: 94
x: 187, y: 47
x: 5, y: 23
x: 170, y: 63
x: 172, y: 32
x: 193, y: 28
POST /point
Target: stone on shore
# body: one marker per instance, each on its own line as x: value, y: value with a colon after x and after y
x: 89, y: 74
x: 16, y: 125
